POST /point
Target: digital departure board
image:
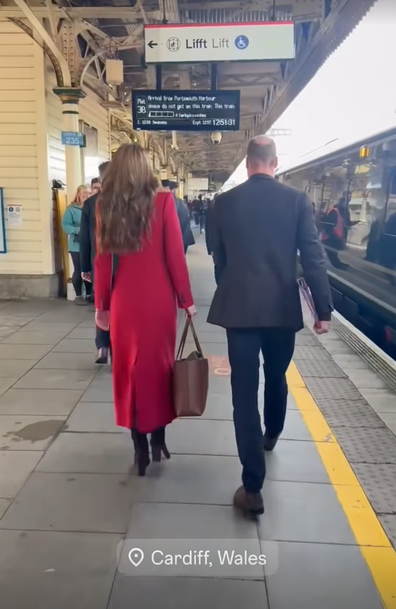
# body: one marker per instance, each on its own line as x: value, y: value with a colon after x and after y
x: 186, y: 110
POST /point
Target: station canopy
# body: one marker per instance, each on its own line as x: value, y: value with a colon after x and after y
x: 115, y: 29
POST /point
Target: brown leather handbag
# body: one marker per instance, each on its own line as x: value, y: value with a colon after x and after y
x: 190, y: 378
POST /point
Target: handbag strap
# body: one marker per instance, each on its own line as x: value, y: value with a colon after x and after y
x: 189, y: 324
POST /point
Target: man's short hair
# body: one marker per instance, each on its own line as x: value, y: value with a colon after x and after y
x: 94, y: 181
x: 172, y: 185
x: 261, y: 149
x: 102, y: 168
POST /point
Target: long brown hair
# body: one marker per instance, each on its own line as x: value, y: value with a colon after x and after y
x: 126, y: 203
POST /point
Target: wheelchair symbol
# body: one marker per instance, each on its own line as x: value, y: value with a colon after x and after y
x: 242, y: 42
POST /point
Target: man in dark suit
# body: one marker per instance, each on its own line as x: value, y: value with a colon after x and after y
x: 257, y: 229
x: 87, y: 255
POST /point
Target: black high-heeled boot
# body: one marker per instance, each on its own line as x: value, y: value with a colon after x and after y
x: 142, y: 458
x: 158, y: 446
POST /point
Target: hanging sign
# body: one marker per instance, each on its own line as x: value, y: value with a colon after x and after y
x: 178, y: 110
x: 3, y: 242
x: 207, y: 42
x: 14, y: 215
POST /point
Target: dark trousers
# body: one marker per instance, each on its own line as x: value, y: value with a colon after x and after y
x: 102, y: 338
x: 76, y: 277
x: 244, y: 347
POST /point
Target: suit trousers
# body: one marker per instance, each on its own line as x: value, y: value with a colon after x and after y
x: 244, y: 348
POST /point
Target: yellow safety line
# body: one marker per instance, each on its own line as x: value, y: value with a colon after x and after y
x: 374, y: 544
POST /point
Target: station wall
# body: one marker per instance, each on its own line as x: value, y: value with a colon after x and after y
x: 31, y: 156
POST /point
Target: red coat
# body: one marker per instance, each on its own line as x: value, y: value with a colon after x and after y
x: 143, y: 319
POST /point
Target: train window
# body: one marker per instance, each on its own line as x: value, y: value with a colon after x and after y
x: 391, y: 204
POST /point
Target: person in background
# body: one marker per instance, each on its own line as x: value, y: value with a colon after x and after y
x: 196, y: 207
x: 258, y: 227
x: 188, y: 204
x: 139, y: 235
x: 95, y: 186
x: 201, y: 213
x: 208, y: 232
x: 87, y: 252
x: 182, y: 213
x: 71, y: 226
x: 336, y: 225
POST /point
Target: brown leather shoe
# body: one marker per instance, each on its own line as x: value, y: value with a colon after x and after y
x: 251, y: 503
x: 269, y: 443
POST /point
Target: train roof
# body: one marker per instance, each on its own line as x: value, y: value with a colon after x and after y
x: 338, y: 146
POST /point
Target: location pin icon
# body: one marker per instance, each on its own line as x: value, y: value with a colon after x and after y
x: 136, y: 556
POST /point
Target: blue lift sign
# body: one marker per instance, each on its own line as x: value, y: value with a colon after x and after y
x: 72, y: 138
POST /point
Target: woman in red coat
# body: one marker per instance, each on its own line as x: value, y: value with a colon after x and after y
x: 138, y: 229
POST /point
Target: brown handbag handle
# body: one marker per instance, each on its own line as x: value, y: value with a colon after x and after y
x: 189, y: 324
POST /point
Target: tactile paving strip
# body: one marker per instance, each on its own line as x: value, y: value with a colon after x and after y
x: 389, y: 524
x: 306, y: 339
x: 379, y: 481
x: 332, y: 389
x: 320, y: 369
x: 349, y: 413
x: 311, y: 353
x: 365, y: 445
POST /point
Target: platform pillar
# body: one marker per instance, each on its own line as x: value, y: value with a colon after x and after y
x: 70, y: 97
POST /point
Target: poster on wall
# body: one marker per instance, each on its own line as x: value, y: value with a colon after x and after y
x: 14, y: 215
x: 3, y: 243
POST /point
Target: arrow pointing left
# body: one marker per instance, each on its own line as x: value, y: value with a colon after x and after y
x: 152, y: 44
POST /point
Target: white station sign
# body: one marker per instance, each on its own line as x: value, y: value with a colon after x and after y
x: 207, y: 42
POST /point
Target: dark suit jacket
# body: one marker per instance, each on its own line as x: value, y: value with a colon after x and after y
x: 87, y: 234
x: 184, y: 220
x: 257, y: 229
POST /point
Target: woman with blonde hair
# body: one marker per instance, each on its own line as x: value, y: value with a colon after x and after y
x: 71, y: 226
x: 140, y: 276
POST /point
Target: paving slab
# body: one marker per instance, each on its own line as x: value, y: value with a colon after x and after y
x: 50, y: 569
x: 15, y: 468
x: 194, y: 593
x: 389, y: 418
x: 39, y: 401
x: 82, y: 333
x: 68, y: 361
x: 6, y: 383
x: 380, y: 400
x: 75, y: 345
x: 202, y: 437
x: 187, y: 521
x: 98, y: 453
x: 56, y: 379
x: 15, y: 368
x: 99, y: 391
x: 295, y: 461
x: 93, y: 417
x: 321, y: 576
x: 71, y: 502
x: 14, y: 320
x: 4, y: 505
x: 22, y: 432
x: 39, y: 325
x: 303, y: 512
x: 6, y: 331
x: 34, y: 338
x: 32, y: 352
x: 192, y: 479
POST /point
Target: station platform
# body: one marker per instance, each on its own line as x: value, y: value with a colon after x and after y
x: 72, y: 511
